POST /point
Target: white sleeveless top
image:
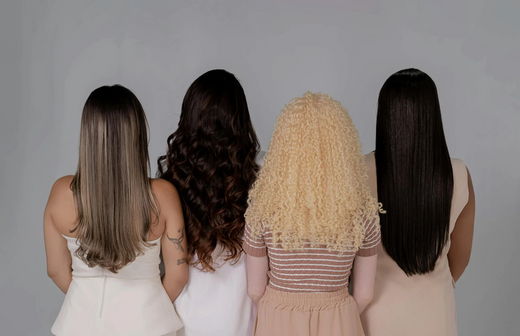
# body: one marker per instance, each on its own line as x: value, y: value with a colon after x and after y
x: 132, y: 302
x: 217, y: 304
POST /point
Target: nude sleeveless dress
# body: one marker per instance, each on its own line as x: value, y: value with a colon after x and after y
x: 422, y: 304
x: 132, y: 302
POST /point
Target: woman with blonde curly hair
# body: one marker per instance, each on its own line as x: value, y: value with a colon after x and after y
x: 310, y: 218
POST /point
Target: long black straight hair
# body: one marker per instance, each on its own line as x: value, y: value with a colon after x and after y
x: 414, y: 172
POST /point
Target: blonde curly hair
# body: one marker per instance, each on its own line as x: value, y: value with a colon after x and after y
x: 312, y: 186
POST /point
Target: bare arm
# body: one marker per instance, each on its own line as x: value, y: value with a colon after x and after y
x: 173, y: 241
x: 257, y: 268
x: 363, y: 279
x: 59, y: 261
x: 462, y: 236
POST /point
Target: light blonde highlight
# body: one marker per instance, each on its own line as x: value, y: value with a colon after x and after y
x: 111, y: 187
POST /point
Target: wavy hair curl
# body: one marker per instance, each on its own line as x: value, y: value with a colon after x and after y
x: 211, y: 161
x: 312, y: 186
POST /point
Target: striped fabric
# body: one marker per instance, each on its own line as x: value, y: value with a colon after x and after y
x: 313, y: 269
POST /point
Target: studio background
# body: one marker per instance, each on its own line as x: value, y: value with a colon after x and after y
x: 54, y: 53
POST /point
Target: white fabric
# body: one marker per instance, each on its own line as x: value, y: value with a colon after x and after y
x: 132, y: 302
x: 217, y: 303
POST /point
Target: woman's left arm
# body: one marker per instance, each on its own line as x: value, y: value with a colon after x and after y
x: 59, y: 261
x: 462, y: 236
x: 363, y: 279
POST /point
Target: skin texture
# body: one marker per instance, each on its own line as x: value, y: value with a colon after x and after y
x: 363, y: 279
x: 60, y: 217
x: 462, y: 236
x: 257, y: 268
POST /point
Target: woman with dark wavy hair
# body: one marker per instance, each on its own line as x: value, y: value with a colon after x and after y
x: 427, y: 230
x: 211, y: 161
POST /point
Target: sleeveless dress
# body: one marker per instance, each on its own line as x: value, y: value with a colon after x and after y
x: 217, y: 303
x: 421, y: 304
x: 132, y: 302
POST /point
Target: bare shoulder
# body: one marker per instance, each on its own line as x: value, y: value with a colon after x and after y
x: 60, y: 207
x: 167, y: 199
x: 61, y: 190
x: 164, y: 191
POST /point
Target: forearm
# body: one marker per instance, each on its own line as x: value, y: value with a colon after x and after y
x: 173, y: 287
x: 62, y: 281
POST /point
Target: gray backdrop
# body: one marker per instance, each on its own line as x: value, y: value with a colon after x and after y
x: 54, y: 53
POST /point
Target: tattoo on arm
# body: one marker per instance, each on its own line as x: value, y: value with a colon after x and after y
x: 181, y: 261
x: 177, y: 241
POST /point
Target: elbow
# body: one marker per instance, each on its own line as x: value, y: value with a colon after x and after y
x: 255, y: 295
x: 364, y: 299
x: 255, y: 298
x: 53, y: 273
x: 183, y: 281
x: 180, y: 281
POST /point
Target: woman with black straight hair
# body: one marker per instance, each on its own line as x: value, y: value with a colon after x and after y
x: 428, y: 198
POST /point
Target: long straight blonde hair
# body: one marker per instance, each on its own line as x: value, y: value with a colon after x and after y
x: 111, y: 187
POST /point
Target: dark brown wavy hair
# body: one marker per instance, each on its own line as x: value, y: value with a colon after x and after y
x: 211, y: 162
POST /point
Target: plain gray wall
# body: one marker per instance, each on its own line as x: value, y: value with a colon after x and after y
x: 54, y: 53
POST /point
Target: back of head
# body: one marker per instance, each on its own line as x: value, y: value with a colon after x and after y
x: 414, y: 172
x: 111, y: 186
x: 211, y: 162
x: 312, y: 186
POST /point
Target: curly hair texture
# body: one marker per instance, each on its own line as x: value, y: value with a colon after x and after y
x: 312, y: 185
x: 211, y: 162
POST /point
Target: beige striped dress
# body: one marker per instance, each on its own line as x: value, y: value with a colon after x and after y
x: 307, y: 292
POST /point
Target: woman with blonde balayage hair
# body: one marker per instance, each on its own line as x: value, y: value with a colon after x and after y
x: 310, y: 215
x: 105, y: 227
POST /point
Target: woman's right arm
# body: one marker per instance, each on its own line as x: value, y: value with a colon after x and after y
x: 173, y: 241
x: 462, y: 236
x: 257, y: 268
x: 59, y: 260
